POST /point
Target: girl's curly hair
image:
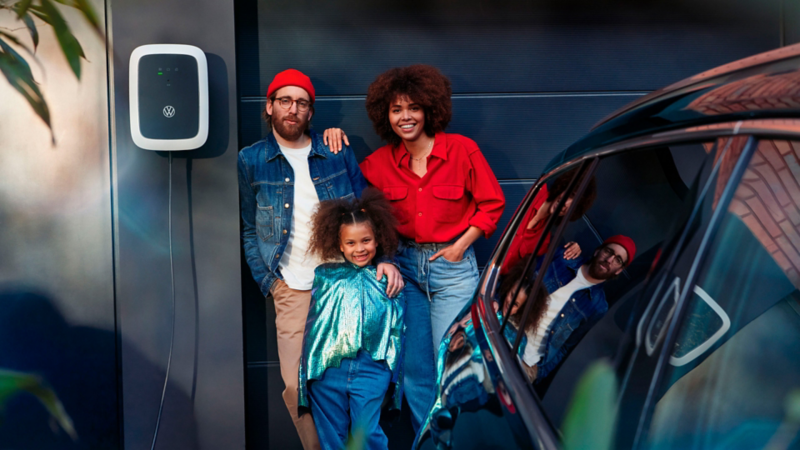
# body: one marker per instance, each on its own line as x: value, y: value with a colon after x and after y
x: 517, y: 278
x: 423, y: 84
x: 372, y: 208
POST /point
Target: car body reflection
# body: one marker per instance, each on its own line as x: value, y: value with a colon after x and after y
x: 698, y: 339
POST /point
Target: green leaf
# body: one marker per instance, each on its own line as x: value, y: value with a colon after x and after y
x: 13, y: 54
x: 22, y: 8
x: 38, y: 12
x: 591, y: 415
x: 14, y: 383
x: 69, y: 45
x: 13, y: 39
x: 19, y: 76
x: 32, y: 28
x: 87, y: 10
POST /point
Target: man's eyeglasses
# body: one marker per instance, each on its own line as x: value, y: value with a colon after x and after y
x: 286, y: 103
x: 606, y: 252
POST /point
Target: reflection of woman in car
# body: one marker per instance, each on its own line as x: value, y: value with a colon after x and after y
x: 445, y: 197
x: 543, y: 206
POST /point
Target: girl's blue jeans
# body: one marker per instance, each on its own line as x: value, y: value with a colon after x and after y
x: 436, y: 292
x: 350, y: 394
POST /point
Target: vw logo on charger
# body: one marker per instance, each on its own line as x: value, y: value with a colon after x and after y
x: 168, y: 111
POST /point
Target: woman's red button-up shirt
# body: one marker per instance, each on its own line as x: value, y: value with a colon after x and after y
x: 459, y: 189
x: 525, y: 239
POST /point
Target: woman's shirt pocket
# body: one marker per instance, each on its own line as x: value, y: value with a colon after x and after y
x: 449, y: 203
x: 398, y: 197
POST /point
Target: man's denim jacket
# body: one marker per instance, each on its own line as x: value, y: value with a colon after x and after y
x: 584, y: 309
x: 266, y: 195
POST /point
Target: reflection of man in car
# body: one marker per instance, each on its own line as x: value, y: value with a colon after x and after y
x: 576, y: 302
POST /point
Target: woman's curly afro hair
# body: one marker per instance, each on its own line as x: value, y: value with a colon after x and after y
x: 422, y: 84
x: 372, y: 208
x: 583, y: 204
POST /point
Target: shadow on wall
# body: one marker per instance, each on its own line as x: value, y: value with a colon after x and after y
x: 80, y: 364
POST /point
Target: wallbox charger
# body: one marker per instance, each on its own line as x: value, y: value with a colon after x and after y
x: 168, y: 97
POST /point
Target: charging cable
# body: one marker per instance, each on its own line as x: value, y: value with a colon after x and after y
x: 172, y: 335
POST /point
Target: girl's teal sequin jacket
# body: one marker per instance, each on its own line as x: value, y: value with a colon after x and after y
x: 350, y: 311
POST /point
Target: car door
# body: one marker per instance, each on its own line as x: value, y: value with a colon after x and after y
x: 729, y: 370
x: 648, y: 194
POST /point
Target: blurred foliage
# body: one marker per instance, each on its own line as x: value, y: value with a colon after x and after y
x: 15, y: 383
x: 358, y: 439
x: 591, y: 415
x: 16, y: 68
x: 793, y: 406
x: 789, y: 430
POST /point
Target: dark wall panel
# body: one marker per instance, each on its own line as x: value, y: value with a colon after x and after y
x: 518, y: 135
x: 507, y: 46
x: 204, y: 405
x: 791, y: 22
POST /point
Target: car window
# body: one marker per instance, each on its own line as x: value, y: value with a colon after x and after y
x: 640, y: 194
x: 733, y: 375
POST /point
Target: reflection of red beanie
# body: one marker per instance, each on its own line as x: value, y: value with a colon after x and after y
x: 291, y: 77
x: 626, y: 243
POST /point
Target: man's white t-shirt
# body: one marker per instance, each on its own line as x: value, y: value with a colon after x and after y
x: 533, y: 351
x: 295, y: 265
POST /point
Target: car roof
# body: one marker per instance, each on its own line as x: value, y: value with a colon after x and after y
x: 764, y: 85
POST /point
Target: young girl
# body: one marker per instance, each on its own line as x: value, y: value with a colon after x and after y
x: 354, y: 333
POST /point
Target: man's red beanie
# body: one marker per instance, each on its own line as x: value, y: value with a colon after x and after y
x: 626, y: 243
x: 291, y: 77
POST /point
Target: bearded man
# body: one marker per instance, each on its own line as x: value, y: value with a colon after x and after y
x: 575, y: 304
x: 282, y: 179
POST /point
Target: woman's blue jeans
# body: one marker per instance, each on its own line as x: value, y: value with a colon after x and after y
x: 436, y: 292
x: 350, y: 394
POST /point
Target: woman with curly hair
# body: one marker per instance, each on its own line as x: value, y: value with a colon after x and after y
x: 352, y: 346
x: 445, y: 196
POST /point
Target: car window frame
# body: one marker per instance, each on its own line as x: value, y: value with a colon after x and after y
x: 681, y: 307
x: 499, y: 359
x: 585, y: 170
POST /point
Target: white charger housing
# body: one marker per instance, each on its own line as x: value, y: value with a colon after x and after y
x: 168, y: 97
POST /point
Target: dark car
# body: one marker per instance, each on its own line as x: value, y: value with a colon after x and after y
x: 695, y: 344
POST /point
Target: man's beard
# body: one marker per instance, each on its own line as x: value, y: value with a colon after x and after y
x: 289, y: 132
x: 600, y: 270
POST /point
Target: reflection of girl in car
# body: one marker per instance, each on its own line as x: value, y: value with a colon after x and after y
x: 515, y: 282
x: 543, y: 206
